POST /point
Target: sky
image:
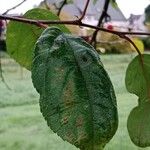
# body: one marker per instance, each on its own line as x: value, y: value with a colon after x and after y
x: 132, y: 6
x: 126, y: 6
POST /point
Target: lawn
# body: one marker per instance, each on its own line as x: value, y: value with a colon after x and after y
x: 22, y: 126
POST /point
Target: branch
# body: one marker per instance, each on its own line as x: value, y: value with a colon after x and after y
x: 136, y: 48
x: 84, y: 11
x: 71, y: 22
x: 14, y: 7
x: 64, y: 3
x: 77, y: 22
x: 103, y: 15
x: 46, y: 4
x: 44, y: 23
x: 39, y: 22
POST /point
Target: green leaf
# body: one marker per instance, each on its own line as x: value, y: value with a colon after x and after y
x: 139, y: 125
x: 21, y: 37
x: 137, y: 78
x: 114, y: 3
x: 76, y: 95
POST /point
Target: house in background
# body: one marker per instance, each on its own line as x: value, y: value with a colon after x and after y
x: 136, y: 23
x: 115, y: 16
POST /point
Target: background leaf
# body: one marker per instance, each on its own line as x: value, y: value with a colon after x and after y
x: 135, y: 78
x: 139, y: 44
x: 21, y: 37
x: 139, y: 125
x: 114, y: 3
x: 76, y: 95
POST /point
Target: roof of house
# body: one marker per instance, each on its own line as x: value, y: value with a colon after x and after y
x: 77, y: 8
x: 133, y: 18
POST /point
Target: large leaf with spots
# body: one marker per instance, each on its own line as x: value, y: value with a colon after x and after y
x: 22, y: 37
x: 76, y: 95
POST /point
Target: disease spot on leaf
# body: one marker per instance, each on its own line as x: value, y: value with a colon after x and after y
x: 67, y: 96
x: 65, y: 120
x: 79, y: 121
x: 75, y: 90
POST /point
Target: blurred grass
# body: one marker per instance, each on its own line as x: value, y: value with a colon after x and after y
x: 22, y: 126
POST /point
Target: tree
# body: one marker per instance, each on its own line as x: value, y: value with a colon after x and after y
x: 76, y: 95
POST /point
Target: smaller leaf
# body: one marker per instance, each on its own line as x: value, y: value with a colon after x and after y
x: 114, y: 3
x: 22, y: 37
x: 137, y: 78
x: 138, y: 125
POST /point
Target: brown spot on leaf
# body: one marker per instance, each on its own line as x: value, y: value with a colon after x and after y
x: 79, y: 121
x: 64, y: 120
x: 68, y: 95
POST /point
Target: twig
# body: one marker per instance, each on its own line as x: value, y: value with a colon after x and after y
x: 84, y: 11
x: 128, y: 39
x: 14, y: 7
x: 119, y: 33
x: 103, y: 15
x: 71, y: 22
x: 64, y: 3
x: 44, y: 23
x: 46, y: 4
x: 79, y: 22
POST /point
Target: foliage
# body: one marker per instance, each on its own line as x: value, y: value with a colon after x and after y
x: 138, y: 77
x: 21, y: 37
x: 22, y: 125
x: 139, y: 125
x: 76, y: 95
x: 138, y: 82
x: 113, y: 44
x: 138, y: 43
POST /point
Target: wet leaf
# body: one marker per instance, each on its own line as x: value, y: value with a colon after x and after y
x: 76, y: 95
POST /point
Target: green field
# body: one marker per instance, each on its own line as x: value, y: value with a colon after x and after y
x: 22, y: 126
